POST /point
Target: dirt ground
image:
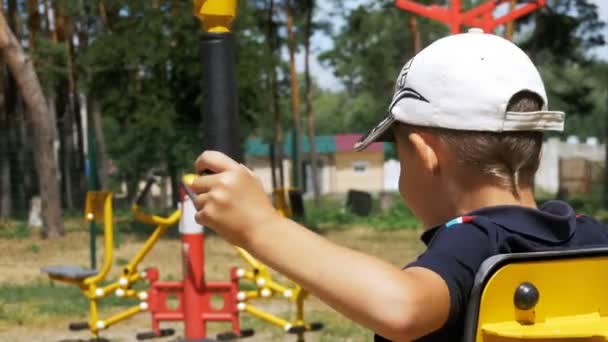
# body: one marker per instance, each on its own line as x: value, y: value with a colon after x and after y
x: 21, y: 260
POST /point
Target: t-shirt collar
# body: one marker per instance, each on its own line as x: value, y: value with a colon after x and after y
x: 553, y: 222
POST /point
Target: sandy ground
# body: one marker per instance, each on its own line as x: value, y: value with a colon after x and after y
x: 20, y: 265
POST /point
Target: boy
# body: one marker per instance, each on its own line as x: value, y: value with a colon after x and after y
x: 467, y: 118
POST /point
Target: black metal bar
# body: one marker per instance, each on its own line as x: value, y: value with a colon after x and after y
x: 220, y: 104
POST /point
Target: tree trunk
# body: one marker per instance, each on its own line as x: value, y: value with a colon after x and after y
x: 606, y: 166
x: 5, y: 157
x: 37, y: 115
x: 295, y: 97
x: 413, y: 26
x: 310, y: 120
x: 510, y: 27
x: 33, y: 22
x: 100, y: 141
x: 70, y: 114
x: 277, y: 139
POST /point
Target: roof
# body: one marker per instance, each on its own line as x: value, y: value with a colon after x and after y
x: 345, y: 143
x: 325, y: 144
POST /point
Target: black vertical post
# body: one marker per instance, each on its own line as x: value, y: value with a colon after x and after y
x: 220, y: 104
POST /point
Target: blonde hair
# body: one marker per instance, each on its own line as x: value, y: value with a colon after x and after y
x: 510, y: 158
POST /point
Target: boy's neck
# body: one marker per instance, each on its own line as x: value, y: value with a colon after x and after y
x: 481, y: 197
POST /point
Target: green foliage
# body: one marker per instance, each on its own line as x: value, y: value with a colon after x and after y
x: 144, y: 70
x: 367, y: 55
x: 333, y: 214
x: 371, y: 47
x: 563, y: 32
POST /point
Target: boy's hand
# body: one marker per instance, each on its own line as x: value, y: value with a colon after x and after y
x: 231, y: 200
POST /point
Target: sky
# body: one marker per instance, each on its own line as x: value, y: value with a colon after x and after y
x: 321, y: 42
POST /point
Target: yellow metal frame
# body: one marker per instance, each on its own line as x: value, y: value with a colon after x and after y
x: 130, y: 273
x: 98, y: 208
x: 267, y: 287
x: 572, y: 306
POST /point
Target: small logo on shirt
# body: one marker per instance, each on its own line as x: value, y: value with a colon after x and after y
x: 459, y: 220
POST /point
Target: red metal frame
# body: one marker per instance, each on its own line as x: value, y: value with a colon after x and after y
x: 196, y: 327
x: 481, y: 16
x: 193, y: 293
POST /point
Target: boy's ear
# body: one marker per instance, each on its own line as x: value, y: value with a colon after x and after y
x: 425, y: 150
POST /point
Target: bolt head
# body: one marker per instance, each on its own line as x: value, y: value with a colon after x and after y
x: 526, y: 296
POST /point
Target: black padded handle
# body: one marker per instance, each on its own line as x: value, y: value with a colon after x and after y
x: 219, y: 89
x: 149, y: 182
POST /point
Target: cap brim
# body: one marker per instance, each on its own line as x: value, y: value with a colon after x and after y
x: 381, y: 133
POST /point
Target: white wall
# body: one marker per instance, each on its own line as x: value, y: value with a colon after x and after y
x: 547, y: 177
x: 392, y: 169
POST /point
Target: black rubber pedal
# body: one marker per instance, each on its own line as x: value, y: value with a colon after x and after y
x: 316, y: 326
x: 75, y: 326
x: 148, y: 335
x: 231, y: 335
x: 298, y: 329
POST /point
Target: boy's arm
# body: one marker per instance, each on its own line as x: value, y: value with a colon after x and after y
x: 397, y: 304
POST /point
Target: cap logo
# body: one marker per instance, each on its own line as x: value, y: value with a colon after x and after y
x: 403, y: 75
x: 402, y: 91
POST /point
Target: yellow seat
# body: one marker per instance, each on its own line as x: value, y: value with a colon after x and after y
x: 543, y: 296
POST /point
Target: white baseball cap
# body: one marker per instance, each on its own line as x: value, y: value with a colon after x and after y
x: 465, y: 82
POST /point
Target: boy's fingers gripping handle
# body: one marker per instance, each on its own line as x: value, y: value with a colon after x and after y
x: 189, y: 191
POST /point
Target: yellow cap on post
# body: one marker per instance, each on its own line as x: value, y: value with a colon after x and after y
x: 216, y: 15
x: 189, y: 178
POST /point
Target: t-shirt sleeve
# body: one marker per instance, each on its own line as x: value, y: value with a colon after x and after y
x: 455, y: 254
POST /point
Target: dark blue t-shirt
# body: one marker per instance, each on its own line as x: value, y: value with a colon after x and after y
x: 456, y: 249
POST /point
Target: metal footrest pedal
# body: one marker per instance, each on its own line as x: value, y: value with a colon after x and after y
x: 230, y: 335
x: 298, y: 329
x: 75, y: 326
x: 151, y: 334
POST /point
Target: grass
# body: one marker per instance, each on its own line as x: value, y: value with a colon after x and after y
x: 36, y: 303
x: 31, y: 305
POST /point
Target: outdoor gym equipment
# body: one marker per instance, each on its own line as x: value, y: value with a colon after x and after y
x: 193, y: 293
x: 221, y: 133
x: 481, y: 16
x: 267, y: 287
x: 542, y: 296
x: 98, y: 208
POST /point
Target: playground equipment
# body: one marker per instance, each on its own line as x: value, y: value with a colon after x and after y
x: 98, y: 208
x: 541, y: 296
x: 193, y: 295
x: 481, y: 16
x: 267, y: 287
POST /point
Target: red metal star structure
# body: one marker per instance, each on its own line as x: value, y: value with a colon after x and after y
x: 481, y: 16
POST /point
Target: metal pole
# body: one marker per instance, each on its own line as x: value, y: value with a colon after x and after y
x: 221, y: 133
x: 92, y: 182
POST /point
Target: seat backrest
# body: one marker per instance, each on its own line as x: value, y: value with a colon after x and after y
x: 568, y: 284
x: 96, y: 205
x: 98, y: 209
